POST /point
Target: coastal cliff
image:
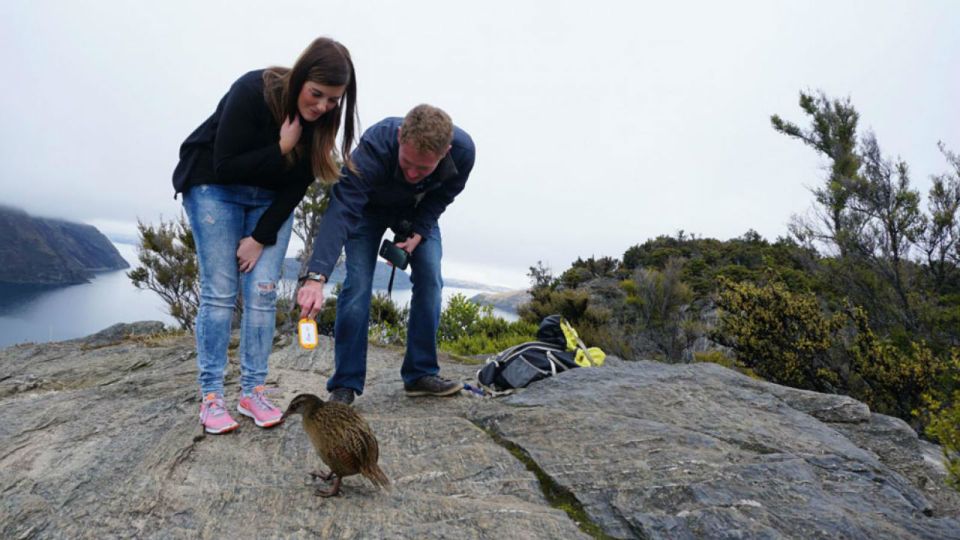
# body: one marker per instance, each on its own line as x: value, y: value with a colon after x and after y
x: 42, y: 251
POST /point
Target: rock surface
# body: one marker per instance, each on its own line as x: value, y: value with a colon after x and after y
x: 100, y: 438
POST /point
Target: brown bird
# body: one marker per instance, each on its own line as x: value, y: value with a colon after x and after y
x: 342, y: 438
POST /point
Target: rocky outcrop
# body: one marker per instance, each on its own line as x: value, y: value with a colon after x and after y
x: 39, y: 251
x: 100, y: 439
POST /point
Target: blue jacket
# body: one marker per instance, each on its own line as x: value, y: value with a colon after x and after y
x: 378, y: 188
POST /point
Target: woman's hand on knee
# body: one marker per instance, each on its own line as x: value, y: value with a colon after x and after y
x: 248, y: 253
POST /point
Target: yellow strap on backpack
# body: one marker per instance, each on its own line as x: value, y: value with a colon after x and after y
x: 570, y: 334
x: 586, y: 356
x: 590, y: 357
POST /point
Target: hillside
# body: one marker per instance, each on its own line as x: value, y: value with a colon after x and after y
x: 41, y: 251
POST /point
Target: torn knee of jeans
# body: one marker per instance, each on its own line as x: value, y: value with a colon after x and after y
x: 209, y: 220
x: 266, y: 287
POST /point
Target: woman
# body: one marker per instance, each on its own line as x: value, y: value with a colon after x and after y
x: 242, y: 173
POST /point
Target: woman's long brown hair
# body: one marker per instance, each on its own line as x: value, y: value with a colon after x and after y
x: 325, y: 62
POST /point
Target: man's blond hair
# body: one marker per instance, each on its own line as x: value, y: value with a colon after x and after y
x: 427, y: 128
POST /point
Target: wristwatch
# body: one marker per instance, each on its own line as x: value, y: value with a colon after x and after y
x: 313, y: 276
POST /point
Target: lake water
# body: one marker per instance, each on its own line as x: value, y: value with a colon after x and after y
x: 41, y: 314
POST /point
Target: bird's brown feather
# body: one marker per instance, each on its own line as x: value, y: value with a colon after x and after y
x: 344, y: 441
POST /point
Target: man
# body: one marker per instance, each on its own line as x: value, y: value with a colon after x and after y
x: 406, y: 169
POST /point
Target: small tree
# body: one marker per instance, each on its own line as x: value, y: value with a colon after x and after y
x: 833, y: 133
x: 656, y: 299
x: 941, y: 243
x: 307, y: 216
x: 168, y: 267
x: 892, y: 222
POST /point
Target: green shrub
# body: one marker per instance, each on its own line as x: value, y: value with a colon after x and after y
x: 944, y: 427
x: 895, y: 378
x: 459, y: 317
x: 388, y: 322
x: 469, y: 329
x: 575, y: 276
x: 782, y: 336
x: 327, y: 317
x: 941, y: 414
x: 571, y: 303
x: 611, y: 338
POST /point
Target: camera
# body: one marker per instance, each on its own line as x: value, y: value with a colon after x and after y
x: 389, y: 250
x: 397, y: 256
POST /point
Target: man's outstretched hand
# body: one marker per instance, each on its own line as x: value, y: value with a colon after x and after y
x: 310, y: 299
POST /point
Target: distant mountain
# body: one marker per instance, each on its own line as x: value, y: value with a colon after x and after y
x: 42, y: 251
x: 508, y: 301
x: 464, y: 284
x: 124, y: 238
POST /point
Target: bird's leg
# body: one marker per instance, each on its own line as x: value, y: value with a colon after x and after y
x: 325, y: 476
x: 334, y: 490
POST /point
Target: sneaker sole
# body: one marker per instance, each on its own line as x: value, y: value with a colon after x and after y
x: 245, y: 412
x: 419, y: 393
x: 221, y: 431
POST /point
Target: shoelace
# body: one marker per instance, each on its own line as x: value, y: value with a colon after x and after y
x: 260, y: 399
x: 216, y: 408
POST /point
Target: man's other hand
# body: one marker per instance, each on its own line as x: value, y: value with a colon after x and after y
x: 310, y: 298
x: 411, y: 243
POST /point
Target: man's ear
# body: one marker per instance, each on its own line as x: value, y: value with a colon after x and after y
x: 447, y: 151
x: 398, y: 133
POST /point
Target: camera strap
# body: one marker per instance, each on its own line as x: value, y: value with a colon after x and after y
x: 393, y: 272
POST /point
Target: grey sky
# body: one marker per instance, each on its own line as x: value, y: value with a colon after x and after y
x: 598, y: 124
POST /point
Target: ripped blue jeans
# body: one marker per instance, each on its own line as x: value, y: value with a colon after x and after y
x: 220, y: 215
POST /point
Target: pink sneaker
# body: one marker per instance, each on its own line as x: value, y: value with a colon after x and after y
x: 256, y: 406
x: 214, y: 416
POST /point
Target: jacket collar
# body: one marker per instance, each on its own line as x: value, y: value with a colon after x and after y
x: 445, y: 170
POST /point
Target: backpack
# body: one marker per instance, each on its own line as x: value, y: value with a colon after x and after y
x: 558, y: 349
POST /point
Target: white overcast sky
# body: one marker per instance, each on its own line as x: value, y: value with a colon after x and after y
x: 598, y: 124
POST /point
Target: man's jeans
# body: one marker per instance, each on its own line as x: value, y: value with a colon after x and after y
x: 353, y: 307
x: 220, y: 215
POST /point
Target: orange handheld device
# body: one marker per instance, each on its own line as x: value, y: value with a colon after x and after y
x: 307, y: 331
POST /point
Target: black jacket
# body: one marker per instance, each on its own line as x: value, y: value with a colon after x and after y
x: 240, y: 145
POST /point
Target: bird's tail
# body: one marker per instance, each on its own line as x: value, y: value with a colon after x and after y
x: 375, y: 474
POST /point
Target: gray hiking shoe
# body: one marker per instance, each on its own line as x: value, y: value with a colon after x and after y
x: 432, y: 385
x: 342, y: 395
